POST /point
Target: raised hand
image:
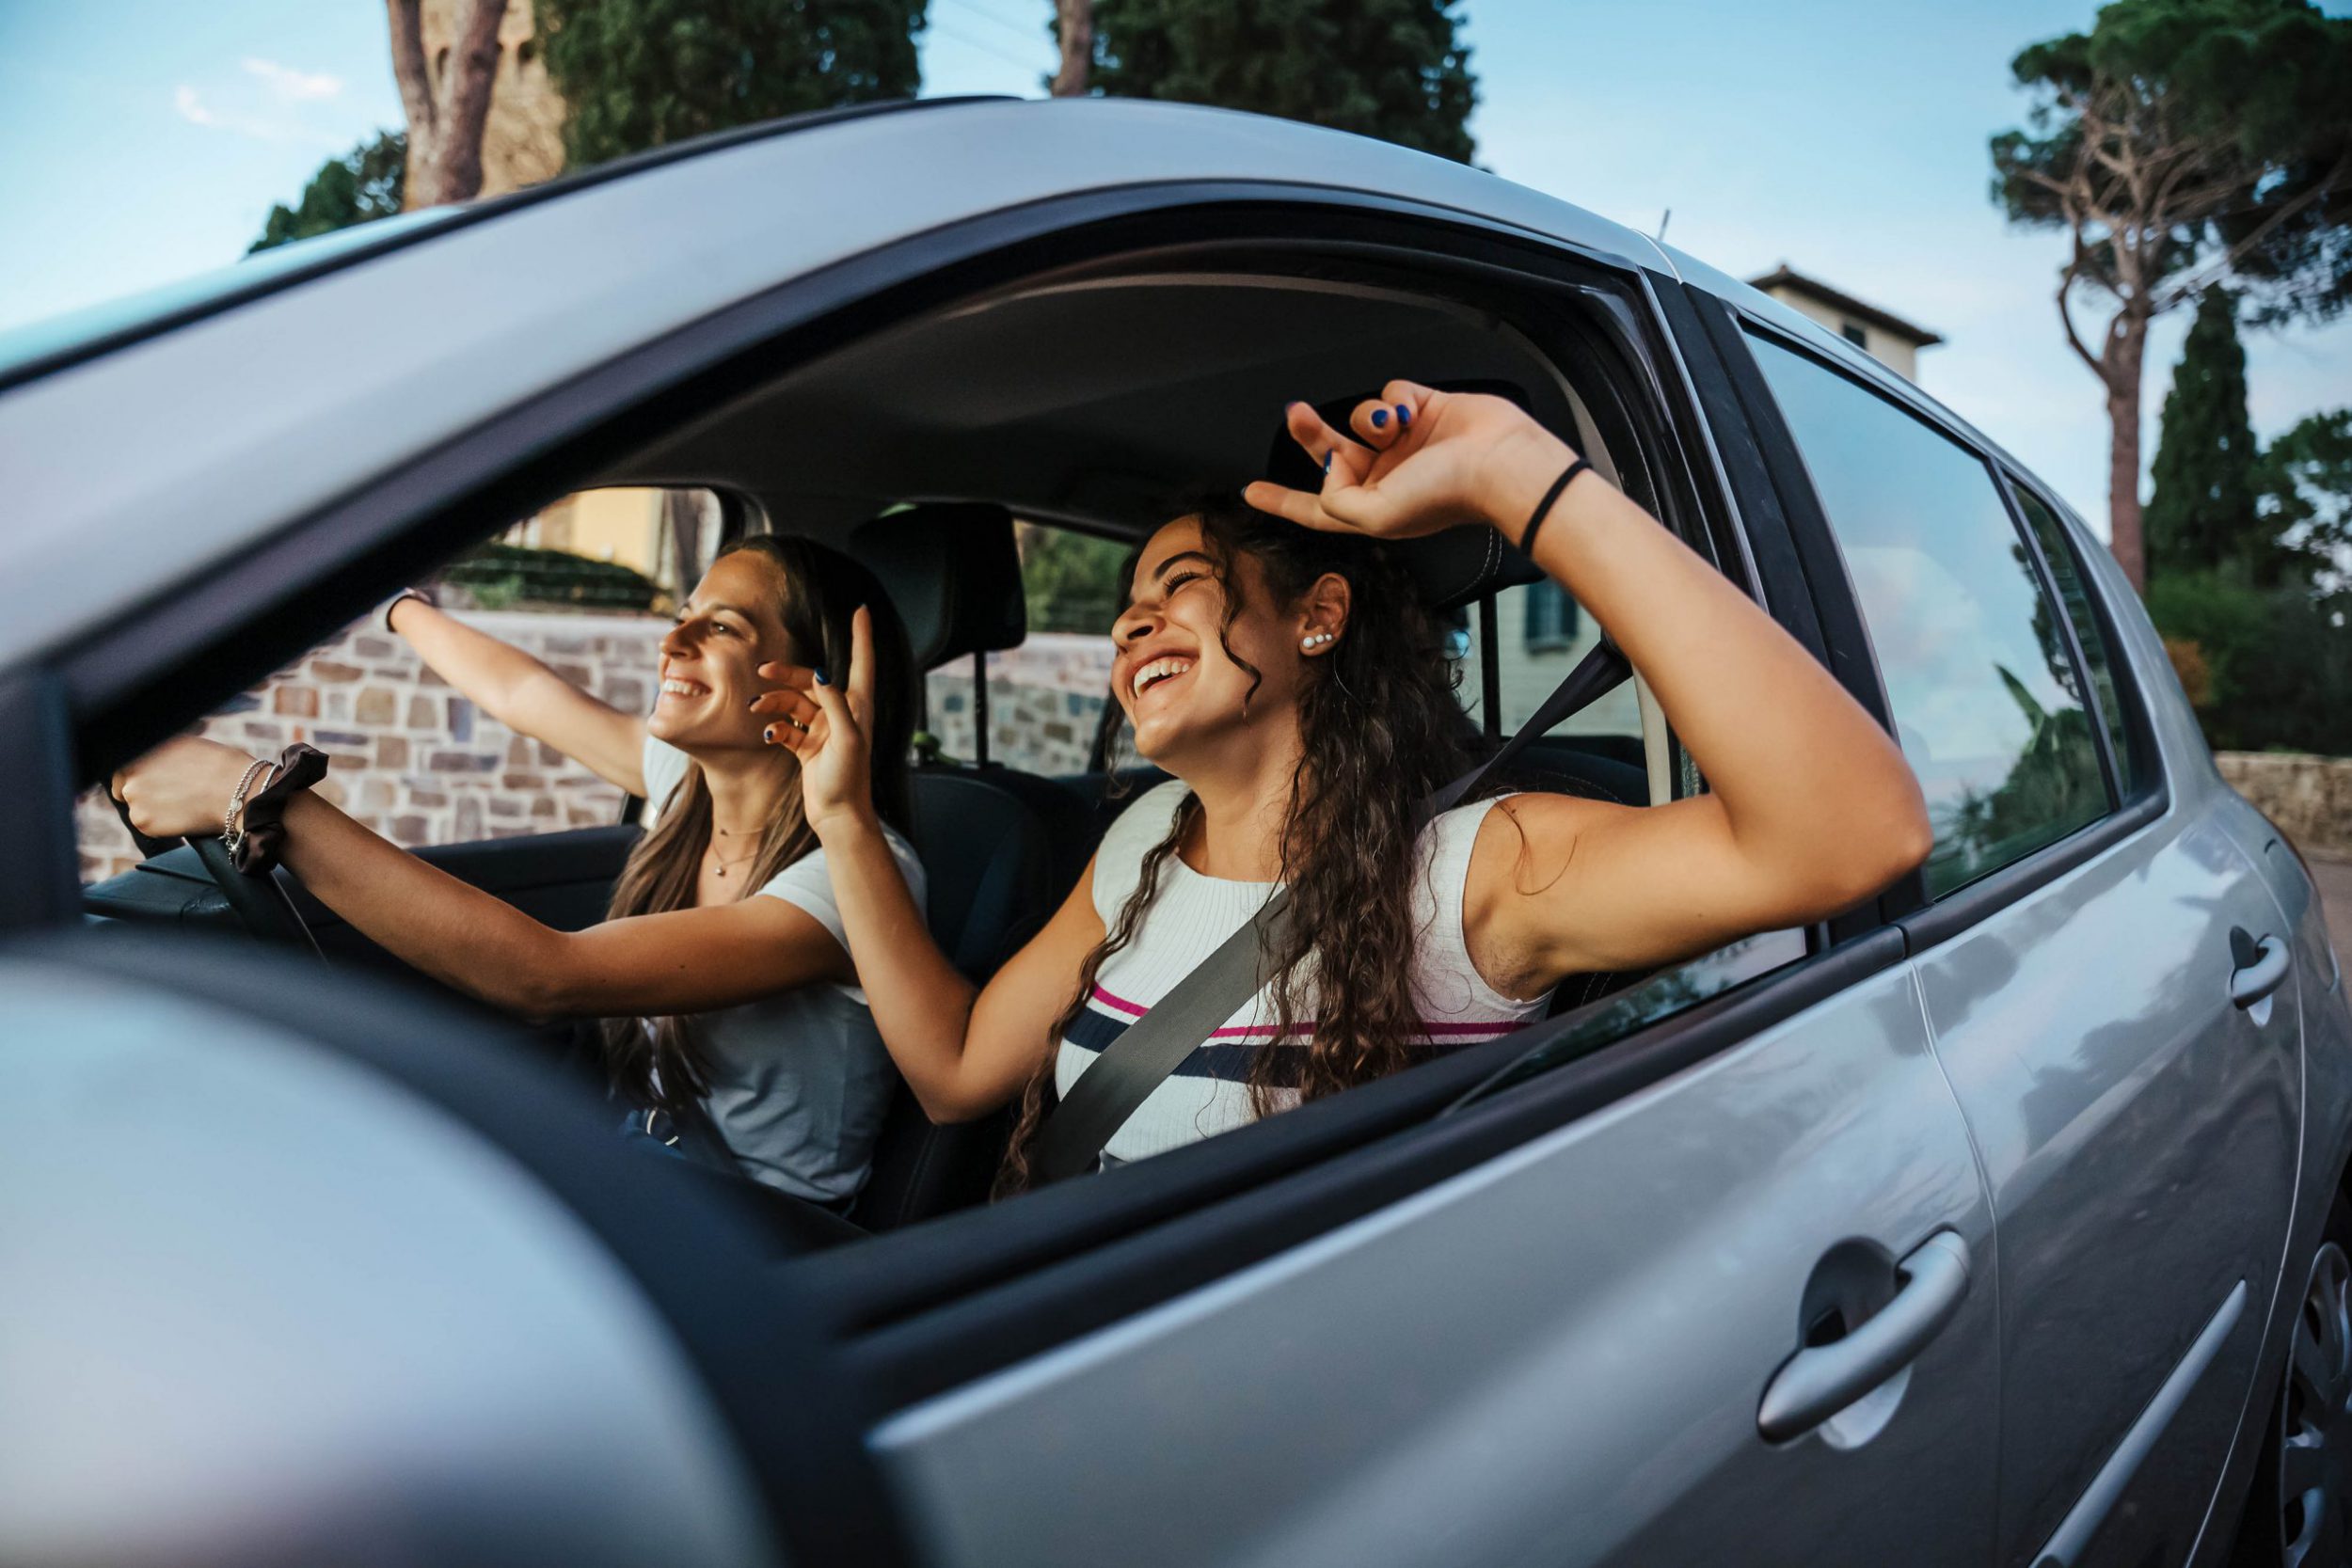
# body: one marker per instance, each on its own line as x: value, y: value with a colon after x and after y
x: 824, y: 726
x: 1418, y: 460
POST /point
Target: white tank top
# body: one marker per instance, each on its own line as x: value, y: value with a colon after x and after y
x: 1191, y: 914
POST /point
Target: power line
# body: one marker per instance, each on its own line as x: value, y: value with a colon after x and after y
x: 983, y: 46
x: 1031, y: 33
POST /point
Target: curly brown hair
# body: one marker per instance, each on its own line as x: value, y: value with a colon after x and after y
x: 1380, y: 728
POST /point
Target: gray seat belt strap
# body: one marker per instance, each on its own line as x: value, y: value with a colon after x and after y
x: 1156, y: 1044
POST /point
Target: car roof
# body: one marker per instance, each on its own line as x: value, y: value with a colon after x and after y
x: 139, y: 467
x: 165, y: 443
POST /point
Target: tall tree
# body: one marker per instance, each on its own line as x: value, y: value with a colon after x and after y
x: 638, y: 74
x: 363, y: 183
x: 1392, y: 69
x: 2179, y: 143
x: 2201, y: 514
x: 2304, y: 494
x: 1073, y: 26
x: 447, y: 100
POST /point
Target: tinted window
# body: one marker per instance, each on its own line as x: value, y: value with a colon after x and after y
x: 1985, y: 698
x: 2066, y: 571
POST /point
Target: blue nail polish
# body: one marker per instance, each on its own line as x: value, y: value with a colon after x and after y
x: 821, y: 680
x: 1380, y: 418
x: 769, y: 734
x: 1327, y: 462
x: 1403, y: 415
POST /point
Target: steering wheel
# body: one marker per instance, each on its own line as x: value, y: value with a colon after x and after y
x: 260, y: 903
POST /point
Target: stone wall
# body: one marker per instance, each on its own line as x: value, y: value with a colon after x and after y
x: 2309, y: 798
x: 421, y: 765
x: 1044, y: 700
x: 413, y: 759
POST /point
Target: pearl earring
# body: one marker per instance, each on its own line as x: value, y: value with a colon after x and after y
x: 1317, y: 640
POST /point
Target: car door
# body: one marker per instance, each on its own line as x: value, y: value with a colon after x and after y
x: 1598, y: 1319
x: 2083, y: 920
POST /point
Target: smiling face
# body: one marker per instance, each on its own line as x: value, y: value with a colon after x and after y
x: 711, y: 656
x: 1180, y: 672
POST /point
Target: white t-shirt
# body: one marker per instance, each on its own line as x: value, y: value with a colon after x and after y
x: 800, y: 1079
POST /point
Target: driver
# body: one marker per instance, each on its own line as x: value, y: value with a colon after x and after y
x: 721, y: 969
x: 1275, y: 659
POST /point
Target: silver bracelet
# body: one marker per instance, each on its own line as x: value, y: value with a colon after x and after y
x: 230, y: 833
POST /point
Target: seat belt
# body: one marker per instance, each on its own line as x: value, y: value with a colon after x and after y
x: 1156, y: 1044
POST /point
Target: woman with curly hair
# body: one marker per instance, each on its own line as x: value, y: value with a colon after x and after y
x: 1276, y: 660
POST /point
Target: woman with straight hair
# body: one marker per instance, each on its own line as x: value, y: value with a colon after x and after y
x: 720, y: 969
x: 1275, y: 659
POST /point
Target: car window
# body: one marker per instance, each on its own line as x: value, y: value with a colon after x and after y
x: 1046, y: 697
x: 1986, y: 700
x: 1540, y: 634
x: 586, y: 585
x: 2066, y: 571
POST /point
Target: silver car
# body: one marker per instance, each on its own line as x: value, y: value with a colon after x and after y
x: 2000, y: 1221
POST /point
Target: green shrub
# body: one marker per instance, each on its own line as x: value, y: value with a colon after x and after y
x: 2279, y: 661
x: 497, y: 575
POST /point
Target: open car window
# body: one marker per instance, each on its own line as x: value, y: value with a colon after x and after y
x: 587, y: 584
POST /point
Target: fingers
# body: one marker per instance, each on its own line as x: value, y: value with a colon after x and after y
x: 1296, y: 505
x: 861, y: 687
x: 1382, y: 424
x: 798, y: 678
x: 802, y: 738
x: 1333, y: 453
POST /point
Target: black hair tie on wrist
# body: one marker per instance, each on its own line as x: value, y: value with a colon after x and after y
x: 262, y: 834
x: 1543, y: 508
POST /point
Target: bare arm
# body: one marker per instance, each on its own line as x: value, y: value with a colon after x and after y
x: 525, y: 695
x: 686, y: 961
x: 964, y: 1053
x: 652, y: 965
x: 1811, y: 807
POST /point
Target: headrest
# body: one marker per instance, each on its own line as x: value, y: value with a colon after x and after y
x: 954, y: 571
x: 1455, y: 567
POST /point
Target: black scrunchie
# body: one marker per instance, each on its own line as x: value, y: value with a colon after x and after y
x: 262, y: 831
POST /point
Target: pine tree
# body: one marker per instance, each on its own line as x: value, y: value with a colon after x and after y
x: 639, y: 74
x: 363, y: 183
x: 2201, y: 514
x: 1392, y: 68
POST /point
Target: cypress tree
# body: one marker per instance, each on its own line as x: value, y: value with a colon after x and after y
x: 2201, y: 514
x: 1392, y: 68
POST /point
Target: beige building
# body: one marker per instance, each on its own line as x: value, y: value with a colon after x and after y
x: 1884, y: 336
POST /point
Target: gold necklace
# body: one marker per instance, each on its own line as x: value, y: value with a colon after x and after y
x: 721, y: 869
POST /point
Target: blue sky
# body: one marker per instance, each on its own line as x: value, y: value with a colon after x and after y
x: 143, y: 140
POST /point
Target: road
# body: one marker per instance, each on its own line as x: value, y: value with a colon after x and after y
x: 2335, y: 891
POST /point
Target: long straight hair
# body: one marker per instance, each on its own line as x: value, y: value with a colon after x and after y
x: 821, y: 591
x: 1380, y: 728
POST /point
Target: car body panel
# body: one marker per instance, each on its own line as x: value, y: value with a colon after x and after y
x: 2139, y: 1133
x: 1555, y: 1358
x: 283, y: 1308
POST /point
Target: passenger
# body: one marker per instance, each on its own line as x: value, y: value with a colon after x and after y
x: 1275, y: 659
x: 739, y: 1015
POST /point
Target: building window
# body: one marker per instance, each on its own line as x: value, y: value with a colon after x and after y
x: 1550, y: 621
x: 1856, y: 334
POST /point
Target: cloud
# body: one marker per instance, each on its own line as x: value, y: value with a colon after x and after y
x: 292, y: 84
x: 193, y: 109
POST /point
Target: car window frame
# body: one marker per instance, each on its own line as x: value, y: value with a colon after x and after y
x: 1924, y: 921
x: 1086, y: 1254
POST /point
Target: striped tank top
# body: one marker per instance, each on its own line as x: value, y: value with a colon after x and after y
x: 1191, y: 914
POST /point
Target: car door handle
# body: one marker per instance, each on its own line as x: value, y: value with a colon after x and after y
x: 2252, y: 981
x: 1820, y: 1381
